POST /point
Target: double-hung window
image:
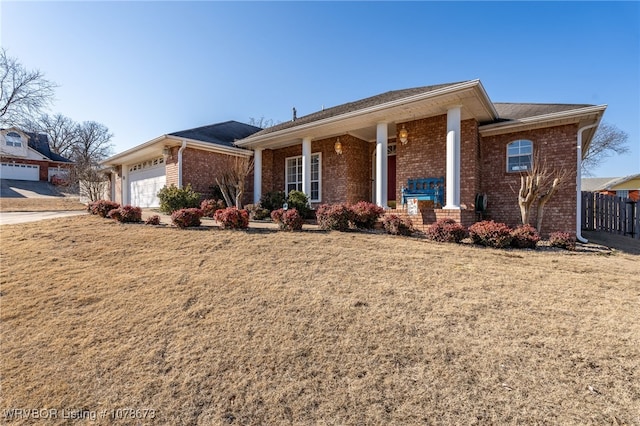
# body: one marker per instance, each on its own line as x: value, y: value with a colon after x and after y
x: 519, y: 156
x: 294, y: 176
x: 13, y: 139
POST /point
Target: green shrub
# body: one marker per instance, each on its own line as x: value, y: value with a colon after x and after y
x: 397, y: 225
x: 126, y: 214
x: 185, y: 218
x: 366, y: 215
x: 232, y: 218
x: 288, y: 220
x: 298, y: 200
x: 446, y: 231
x: 491, y: 234
x: 335, y: 217
x: 562, y: 240
x: 524, y: 236
x: 210, y: 207
x: 173, y: 198
x: 273, y: 200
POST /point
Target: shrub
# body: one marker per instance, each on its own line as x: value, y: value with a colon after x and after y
x: 334, y: 217
x: 273, y: 200
x: 232, y: 218
x: 525, y: 236
x: 210, y: 206
x: 126, y: 214
x: 257, y: 212
x: 491, y: 234
x: 288, y: 220
x: 298, y: 200
x: 365, y: 214
x: 173, y: 198
x: 446, y: 231
x: 152, y: 220
x: 563, y: 240
x: 185, y: 218
x: 102, y: 207
x: 397, y: 225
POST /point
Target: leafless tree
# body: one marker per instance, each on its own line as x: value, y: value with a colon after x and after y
x: 23, y: 93
x: 92, y: 143
x: 92, y: 183
x: 232, y: 178
x: 61, y: 130
x: 607, y: 141
x: 262, y: 122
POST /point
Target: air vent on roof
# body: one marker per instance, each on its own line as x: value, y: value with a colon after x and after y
x: 295, y: 114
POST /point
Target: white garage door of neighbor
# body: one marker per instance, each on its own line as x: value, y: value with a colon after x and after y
x: 144, y: 186
x: 19, y: 171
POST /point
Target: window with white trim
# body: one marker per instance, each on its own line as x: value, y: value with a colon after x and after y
x: 519, y: 155
x: 293, y: 176
x: 622, y: 193
x: 13, y: 139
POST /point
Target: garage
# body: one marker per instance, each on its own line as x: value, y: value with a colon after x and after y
x: 19, y: 171
x: 144, y: 183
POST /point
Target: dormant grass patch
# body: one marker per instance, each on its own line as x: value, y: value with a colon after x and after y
x: 40, y: 204
x: 258, y: 327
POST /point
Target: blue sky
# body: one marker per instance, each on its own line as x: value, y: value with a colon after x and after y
x: 149, y: 68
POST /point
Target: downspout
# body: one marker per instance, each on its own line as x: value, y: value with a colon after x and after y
x: 184, y: 145
x: 579, y: 236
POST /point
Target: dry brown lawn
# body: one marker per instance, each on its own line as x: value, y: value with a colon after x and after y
x: 40, y: 204
x: 214, y: 327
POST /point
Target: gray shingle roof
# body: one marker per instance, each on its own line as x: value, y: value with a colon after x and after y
x: 516, y: 111
x: 40, y: 142
x: 220, y: 134
x: 354, y: 106
x: 600, y: 184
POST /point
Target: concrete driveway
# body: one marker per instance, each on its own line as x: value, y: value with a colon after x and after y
x: 12, y: 218
x: 10, y: 188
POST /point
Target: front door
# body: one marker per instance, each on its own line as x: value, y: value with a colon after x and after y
x: 391, y: 178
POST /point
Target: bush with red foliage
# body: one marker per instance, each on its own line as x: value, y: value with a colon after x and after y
x: 491, y: 234
x: 126, y: 214
x: 365, y: 214
x: 335, y: 217
x: 209, y: 207
x: 102, y: 207
x: 397, y: 225
x: 446, y: 231
x: 152, y: 220
x: 562, y: 240
x: 232, y: 218
x: 525, y: 236
x: 287, y: 220
x: 186, y: 218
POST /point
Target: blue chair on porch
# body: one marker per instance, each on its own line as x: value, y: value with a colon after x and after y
x: 430, y: 189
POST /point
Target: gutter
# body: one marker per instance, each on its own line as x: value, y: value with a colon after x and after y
x: 184, y: 145
x: 579, y: 236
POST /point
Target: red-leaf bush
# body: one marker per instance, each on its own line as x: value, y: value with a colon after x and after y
x: 397, y: 225
x: 563, y: 240
x: 185, y: 218
x: 491, y: 234
x: 365, y: 214
x: 126, y: 214
x: 152, y: 220
x: 232, y: 218
x: 446, y: 231
x: 525, y: 236
x: 334, y: 217
x: 102, y: 207
x: 209, y: 207
x: 287, y: 220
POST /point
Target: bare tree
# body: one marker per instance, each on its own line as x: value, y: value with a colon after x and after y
x: 539, y: 185
x: 92, y: 144
x: 607, y: 141
x: 92, y: 183
x: 262, y: 122
x: 231, y: 180
x: 23, y: 93
x: 61, y: 130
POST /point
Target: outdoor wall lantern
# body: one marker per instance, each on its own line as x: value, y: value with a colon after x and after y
x: 166, y: 151
x: 403, y: 135
x: 338, y: 147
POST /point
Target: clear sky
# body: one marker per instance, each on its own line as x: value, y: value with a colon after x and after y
x: 149, y: 68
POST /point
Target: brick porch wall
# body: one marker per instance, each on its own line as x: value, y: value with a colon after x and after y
x: 556, y: 146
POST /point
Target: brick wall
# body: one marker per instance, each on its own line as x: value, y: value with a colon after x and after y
x: 556, y: 146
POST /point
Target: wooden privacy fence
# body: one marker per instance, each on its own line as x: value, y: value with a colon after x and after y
x: 612, y: 214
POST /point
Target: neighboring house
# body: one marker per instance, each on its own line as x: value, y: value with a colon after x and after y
x: 28, y: 156
x: 193, y: 156
x: 624, y: 187
x: 370, y: 148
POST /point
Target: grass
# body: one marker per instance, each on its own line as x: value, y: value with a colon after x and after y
x: 258, y: 327
x: 40, y: 204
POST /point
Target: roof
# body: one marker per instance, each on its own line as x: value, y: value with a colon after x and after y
x: 220, y: 134
x: 517, y: 111
x: 607, y: 183
x: 354, y: 106
x: 40, y: 142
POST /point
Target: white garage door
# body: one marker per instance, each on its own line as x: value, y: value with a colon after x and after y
x: 19, y: 171
x: 144, y: 186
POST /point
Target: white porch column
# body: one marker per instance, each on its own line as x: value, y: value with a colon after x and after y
x: 306, y: 166
x: 381, y: 164
x: 257, y: 175
x: 452, y: 181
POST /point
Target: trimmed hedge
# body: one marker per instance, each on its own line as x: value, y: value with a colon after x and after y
x: 491, y: 234
x: 562, y: 240
x: 152, y: 220
x: 397, y: 225
x: 173, y: 198
x: 209, y: 207
x: 446, y: 231
x: 126, y: 214
x: 232, y: 218
x: 287, y: 220
x: 525, y: 236
x: 102, y: 207
x: 186, y: 218
x: 334, y: 217
x: 366, y: 215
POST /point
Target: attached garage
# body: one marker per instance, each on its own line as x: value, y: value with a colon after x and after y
x: 145, y: 180
x: 19, y: 171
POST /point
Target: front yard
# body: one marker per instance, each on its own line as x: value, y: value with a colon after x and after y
x: 261, y: 327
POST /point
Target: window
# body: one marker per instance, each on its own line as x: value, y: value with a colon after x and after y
x: 622, y: 193
x: 294, y: 176
x: 519, y: 156
x: 13, y: 139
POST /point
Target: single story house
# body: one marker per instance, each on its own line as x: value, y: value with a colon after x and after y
x: 373, y: 148
x: 28, y: 156
x: 624, y: 187
x: 191, y: 156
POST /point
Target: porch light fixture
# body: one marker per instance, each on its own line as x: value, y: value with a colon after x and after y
x: 166, y: 151
x: 403, y: 135
x: 338, y: 147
